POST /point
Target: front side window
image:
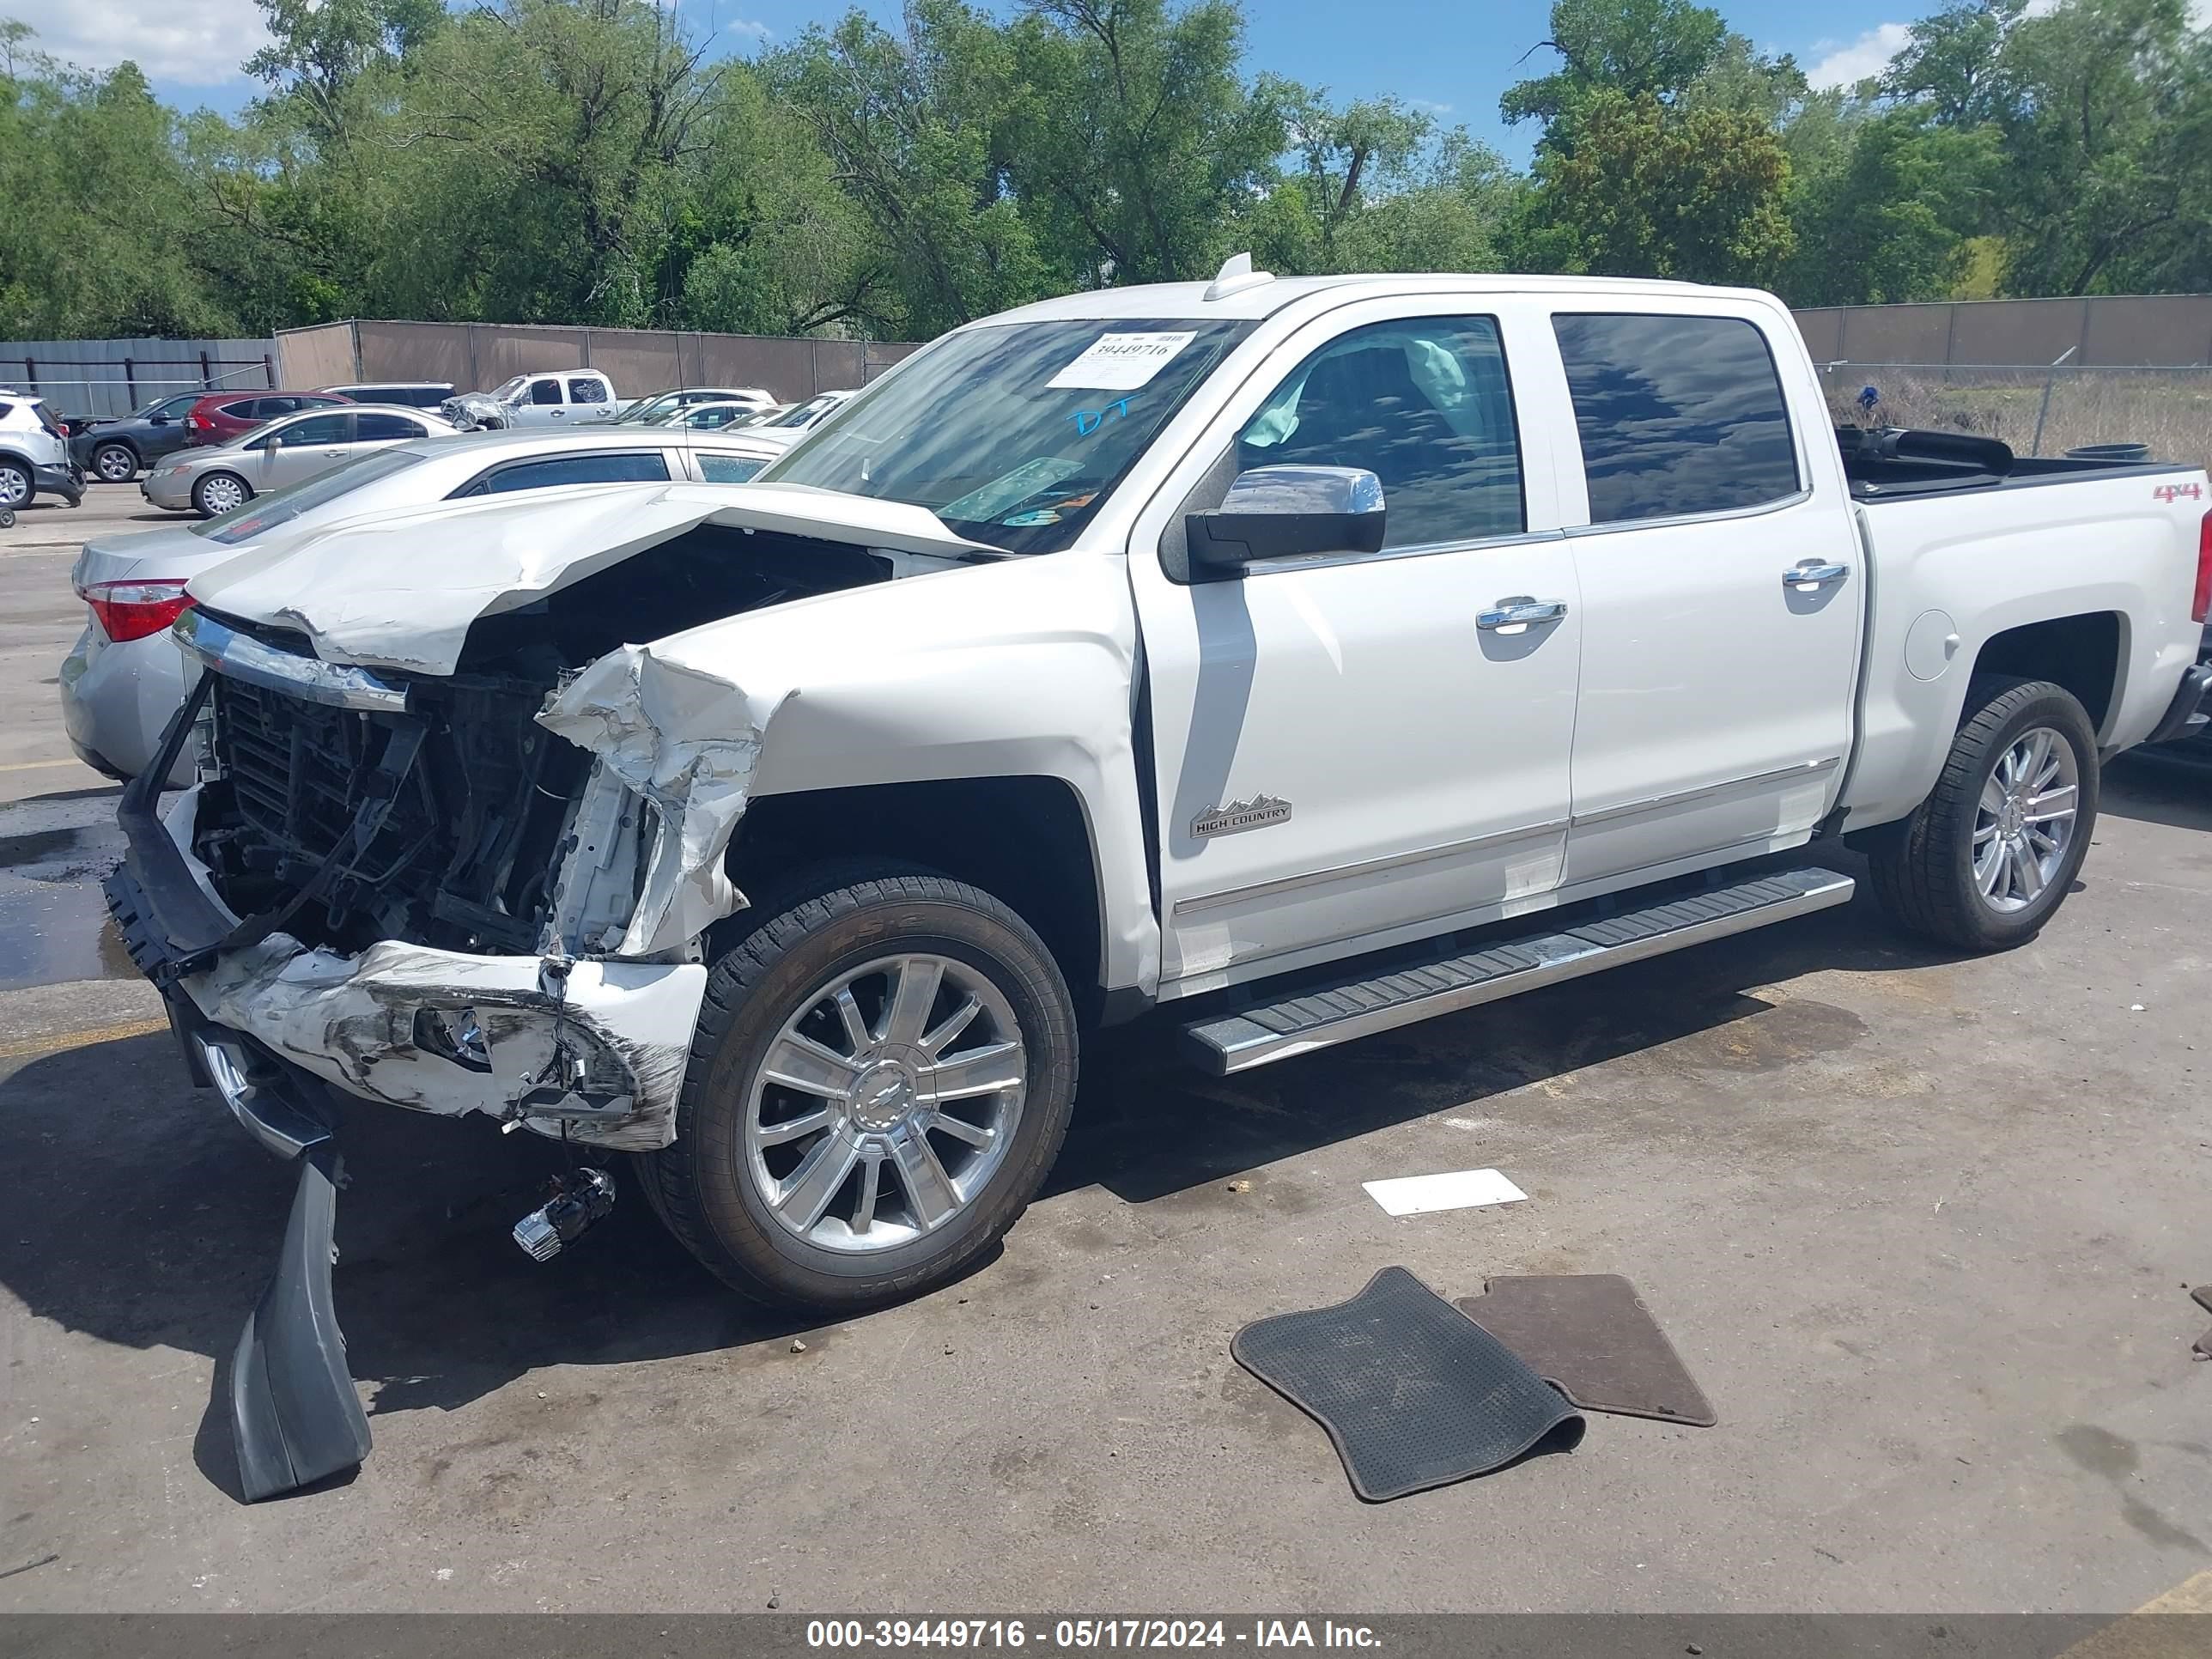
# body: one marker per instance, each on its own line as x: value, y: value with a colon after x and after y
x: 1014, y: 434
x: 315, y: 430
x: 176, y: 408
x: 1425, y: 406
x: 373, y: 428
x: 638, y: 467
x: 1677, y: 415
x: 545, y: 391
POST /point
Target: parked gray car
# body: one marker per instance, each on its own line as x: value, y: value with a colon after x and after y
x: 289, y: 450
x: 126, y: 677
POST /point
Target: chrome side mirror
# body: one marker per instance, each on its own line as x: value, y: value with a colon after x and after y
x: 1287, y: 513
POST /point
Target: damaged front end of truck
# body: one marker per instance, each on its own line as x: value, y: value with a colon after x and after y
x: 457, y: 847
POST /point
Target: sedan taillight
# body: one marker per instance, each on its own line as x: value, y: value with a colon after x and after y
x: 135, y: 609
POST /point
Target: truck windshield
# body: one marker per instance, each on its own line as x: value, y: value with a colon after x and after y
x: 1013, y: 434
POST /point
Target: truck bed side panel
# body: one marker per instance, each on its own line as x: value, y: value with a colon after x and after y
x: 1971, y: 566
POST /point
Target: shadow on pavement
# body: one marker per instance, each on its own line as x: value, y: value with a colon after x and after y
x: 142, y: 1215
x: 2170, y: 785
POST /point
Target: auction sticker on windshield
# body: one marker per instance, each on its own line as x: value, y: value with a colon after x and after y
x: 1120, y: 362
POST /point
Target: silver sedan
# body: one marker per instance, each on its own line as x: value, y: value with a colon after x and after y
x: 211, y: 479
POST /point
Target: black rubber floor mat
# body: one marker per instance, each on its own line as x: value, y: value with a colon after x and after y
x: 1414, y: 1394
x: 1590, y: 1336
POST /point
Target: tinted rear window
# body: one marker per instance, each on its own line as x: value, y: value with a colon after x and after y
x: 1677, y: 415
x: 373, y: 428
x: 640, y: 467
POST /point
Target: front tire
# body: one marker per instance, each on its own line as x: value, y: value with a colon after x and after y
x: 1989, y: 857
x: 219, y: 492
x: 882, y: 1076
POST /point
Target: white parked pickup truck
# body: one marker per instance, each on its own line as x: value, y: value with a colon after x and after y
x: 566, y: 396
x: 1300, y: 659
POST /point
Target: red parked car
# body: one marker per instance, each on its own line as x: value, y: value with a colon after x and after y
x: 223, y: 416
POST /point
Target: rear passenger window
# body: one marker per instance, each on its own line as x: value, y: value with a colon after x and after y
x: 1677, y: 415
x: 728, y: 469
x: 1425, y: 406
x: 642, y: 466
x: 380, y: 428
x: 588, y: 390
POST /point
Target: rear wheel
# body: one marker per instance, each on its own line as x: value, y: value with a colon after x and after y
x: 882, y: 1076
x: 15, y: 486
x: 1990, y: 855
x: 219, y: 492
x: 115, y: 463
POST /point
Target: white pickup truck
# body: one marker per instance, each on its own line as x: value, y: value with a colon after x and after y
x: 1299, y: 658
x: 565, y: 396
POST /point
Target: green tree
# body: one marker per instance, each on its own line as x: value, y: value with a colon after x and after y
x: 914, y: 130
x: 1651, y: 49
x: 1950, y: 63
x: 1885, y: 218
x: 2107, y: 136
x: 1694, y: 194
x: 1134, y: 145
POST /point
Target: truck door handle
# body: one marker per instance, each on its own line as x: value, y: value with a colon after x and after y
x: 1809, y: 574
x: 1513, y: 615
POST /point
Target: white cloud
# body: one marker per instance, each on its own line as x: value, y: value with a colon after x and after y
x: 1428, y: 107
x: 193, y: 43
x: 1868, y: 55
x: 746, y: 26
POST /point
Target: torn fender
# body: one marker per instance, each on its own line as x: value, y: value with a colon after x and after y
x: 686, y: 741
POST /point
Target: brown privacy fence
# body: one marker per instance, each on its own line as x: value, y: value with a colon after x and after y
x: 2042, y: 375
x: 478, y: 356
x: 2134, y: 330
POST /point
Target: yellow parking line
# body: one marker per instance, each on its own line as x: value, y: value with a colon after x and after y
x: 55, y: 1043
x: 41, y: 766
x: 2153, y: 1630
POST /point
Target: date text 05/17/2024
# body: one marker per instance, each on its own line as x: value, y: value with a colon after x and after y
x: 1074, y: 1635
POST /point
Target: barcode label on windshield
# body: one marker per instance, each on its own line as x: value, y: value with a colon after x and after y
x: 1120, y: 362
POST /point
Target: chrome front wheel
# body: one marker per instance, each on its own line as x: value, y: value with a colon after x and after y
x: 2024, y: 820
x: 884, y: 1106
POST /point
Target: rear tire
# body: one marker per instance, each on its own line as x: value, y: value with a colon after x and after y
x: 115, y: 463
x: 1989, y: 857
x: 925, y: 1148
x: 17, y: 485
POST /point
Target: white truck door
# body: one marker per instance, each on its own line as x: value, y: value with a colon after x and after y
x: 1352, y: 747
x: 1722, y: 589
x: 540, y: 404
x: 590, y: 398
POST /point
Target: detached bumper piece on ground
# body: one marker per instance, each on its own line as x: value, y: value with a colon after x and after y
x: 1414, y: 1393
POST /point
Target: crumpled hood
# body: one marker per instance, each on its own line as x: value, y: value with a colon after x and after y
x: 401, y: 589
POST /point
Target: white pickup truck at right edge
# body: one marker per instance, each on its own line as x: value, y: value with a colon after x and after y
x: 1299, y: 658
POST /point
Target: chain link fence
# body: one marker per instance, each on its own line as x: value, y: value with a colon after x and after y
x: 2038, y: 409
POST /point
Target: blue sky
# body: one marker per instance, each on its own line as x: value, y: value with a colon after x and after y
x: 1451, y: 58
